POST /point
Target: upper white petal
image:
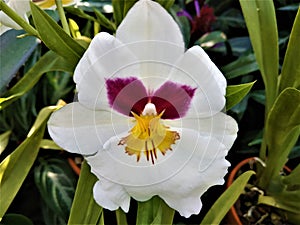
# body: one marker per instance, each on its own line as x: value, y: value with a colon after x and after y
x: 105, y: 58
x: 196, y: 69
x: 154, y: 38
x: 83, y: 131
x: 149, y: 21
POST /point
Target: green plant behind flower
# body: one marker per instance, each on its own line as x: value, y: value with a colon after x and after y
x: 282, y: 112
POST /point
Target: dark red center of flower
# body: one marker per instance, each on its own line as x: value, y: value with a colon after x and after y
x: 127, y: 95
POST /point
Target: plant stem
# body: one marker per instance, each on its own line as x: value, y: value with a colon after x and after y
x: 62, y: 16
x: 121, y: 217
x: 18, y: 19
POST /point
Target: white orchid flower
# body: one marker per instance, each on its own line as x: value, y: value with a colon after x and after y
x: 22, y: 8
x: 149, y: 118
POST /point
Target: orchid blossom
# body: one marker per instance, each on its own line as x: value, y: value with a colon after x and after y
x: 22, y: 8
x: 148, y: 118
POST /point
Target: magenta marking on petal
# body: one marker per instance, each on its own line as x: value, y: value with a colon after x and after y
x: 126, y: 95
x: 174, y: 98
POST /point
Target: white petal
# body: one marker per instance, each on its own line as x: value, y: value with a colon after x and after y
x: 197, y: 70
x: 182, y: 191
x: 21, y: 7
x: 111, y: 196
x: 83, y: 131
x: 220, y: 126
x: 127, y: 171
x: 105, y: 58
x: 149, y: 21
x: 154, y: 37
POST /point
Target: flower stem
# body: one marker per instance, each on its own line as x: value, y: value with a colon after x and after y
x: 18, y: 19
x: 62, y: 16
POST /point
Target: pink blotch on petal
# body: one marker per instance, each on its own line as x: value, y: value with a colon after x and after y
x: 174, y: 98
x: 126, y: 95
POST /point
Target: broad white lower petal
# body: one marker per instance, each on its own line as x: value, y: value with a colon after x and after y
x: 127, y: 171
x: 183, y: 190
x: 83, y: 131
x: 197, y: 70
x: 111, y: 196
x: 220, y: 126
x: 105, y: 58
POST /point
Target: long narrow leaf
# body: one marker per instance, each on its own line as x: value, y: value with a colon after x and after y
x: 84, y: 208
x: 290, y: 74
x: 15, y: 167
x: 226, y: 200
x: 261, y: 23
x: 282, y: 132
x: 54, y: 37
x: 48, y: 62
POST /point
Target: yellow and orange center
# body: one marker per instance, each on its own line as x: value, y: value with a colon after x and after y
x: 149, y: 135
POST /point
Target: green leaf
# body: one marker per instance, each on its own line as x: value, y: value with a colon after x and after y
x: 4, y: 138
x: 15, y: 167
x: 227, y: 199
x: 56, y: 183
x: 54, y: 37
x: 261, y: 23
x: 211, y: 39
x: 121, y: 217
x: 15, y: 219
x: 154, y: 211
x: 242, y: 66
x: 49, y: 144
x: 235, y: 93
x: 84, y: 208
x: 103, y: 21
x: 167, y: 4
x: 14, y: 53
x: 121, y: 8
x: 293, y: 177
x: 282, y: 132
x: 48, y: 62
x: 290, y: 74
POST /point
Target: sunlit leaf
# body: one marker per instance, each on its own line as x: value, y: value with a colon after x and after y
x: 219, y: 209
x: 235, y: 93
x: 54, y: 37
x: 262, y: 27
x: 290, y: 74
x: 48, y: 62
x: 4, y: 138
x: 49, y: 144
x: 282, y: 132
x: 84, y: 208
x: 15, y: 167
